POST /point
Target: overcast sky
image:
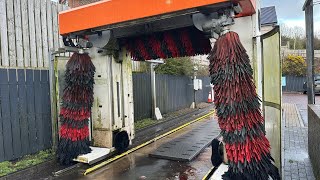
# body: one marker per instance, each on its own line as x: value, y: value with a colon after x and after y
x: 290, y: 12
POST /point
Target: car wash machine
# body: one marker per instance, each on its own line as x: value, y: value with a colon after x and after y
x: 115, y: 32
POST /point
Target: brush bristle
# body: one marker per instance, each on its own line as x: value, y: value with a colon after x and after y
x: 75, y: 110
x: 168, y: 44
x: 238, y: 109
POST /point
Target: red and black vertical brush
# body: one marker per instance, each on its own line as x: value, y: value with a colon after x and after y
x: 239, y: 114
x: 76, y: 106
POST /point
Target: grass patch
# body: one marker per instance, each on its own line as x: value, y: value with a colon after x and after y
x: 8, y: 167
x: 144, y: 123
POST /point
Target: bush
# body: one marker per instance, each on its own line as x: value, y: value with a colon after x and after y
x: 176, y: 66
x: 294, y: 65
x: 203, y: 71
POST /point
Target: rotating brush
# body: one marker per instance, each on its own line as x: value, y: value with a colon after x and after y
x: 238, y: 110
x: 75, y: 110
x: 168, y: 44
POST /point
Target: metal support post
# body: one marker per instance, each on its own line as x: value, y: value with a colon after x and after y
x: 195, y: 69
x: 153, y: 89
x: 195, y: 94
x: 310, y: 51
x: 53, y: 99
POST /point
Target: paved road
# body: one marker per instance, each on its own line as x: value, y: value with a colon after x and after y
x: 297, y: 164
x: 301, y: 101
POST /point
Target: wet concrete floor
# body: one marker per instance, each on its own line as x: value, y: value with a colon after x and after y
x: 139, y: 165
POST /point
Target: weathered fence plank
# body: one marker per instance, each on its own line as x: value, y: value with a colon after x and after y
x: 55, y: 26
x: 3, y: 34
x: 22, y: 112
x: 15, y: 125
x: 1, y: 137
x: 31, y: 111
x: 25, y: 32
x: 60, y: 8
x: 45, y: 98
x: 29, y: 29
x: 49, y: 22
x: 6, y: 120
x: 37, y: 18
x: 11, y: 34
x: 32, y: 31
x: 3, y: 76
x: 45, y: 47
x: 38, y: 108
x: 18, y: 29
x: 1, y: 133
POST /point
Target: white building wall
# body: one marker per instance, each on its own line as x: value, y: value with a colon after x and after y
x: 248, y: 29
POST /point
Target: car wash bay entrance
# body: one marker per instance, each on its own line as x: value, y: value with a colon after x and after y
x: 113, y: 38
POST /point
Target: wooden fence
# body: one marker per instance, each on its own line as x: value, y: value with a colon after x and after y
x: 298, y: 52
x: 28, y: 30
x: 25, y: 118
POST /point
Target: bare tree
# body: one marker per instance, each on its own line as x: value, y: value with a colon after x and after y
x: 317, y: 34
x: 295, y: 33
x: 292, y: 32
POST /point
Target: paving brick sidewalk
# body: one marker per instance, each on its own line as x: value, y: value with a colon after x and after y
x: 297, y: 164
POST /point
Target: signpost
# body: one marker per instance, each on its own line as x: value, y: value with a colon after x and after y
x: 308, y: 8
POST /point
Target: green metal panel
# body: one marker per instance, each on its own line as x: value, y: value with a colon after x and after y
x: 272, y: 91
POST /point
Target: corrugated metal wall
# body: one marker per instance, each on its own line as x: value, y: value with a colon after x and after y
x: 142, y: 95
x: 173, y: 93
x: 202, y: 96
x: 25, y: 116
x: 294, y: 84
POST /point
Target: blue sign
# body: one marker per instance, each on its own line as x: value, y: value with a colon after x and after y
x: 283, y: 81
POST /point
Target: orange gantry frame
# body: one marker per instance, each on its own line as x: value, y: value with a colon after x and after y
x: 108, y: 12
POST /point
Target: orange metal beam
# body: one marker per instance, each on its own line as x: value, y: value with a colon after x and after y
x: 109, y: 12
x: 248, y: 7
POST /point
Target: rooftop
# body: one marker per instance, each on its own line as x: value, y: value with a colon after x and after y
x: 268, y: 16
